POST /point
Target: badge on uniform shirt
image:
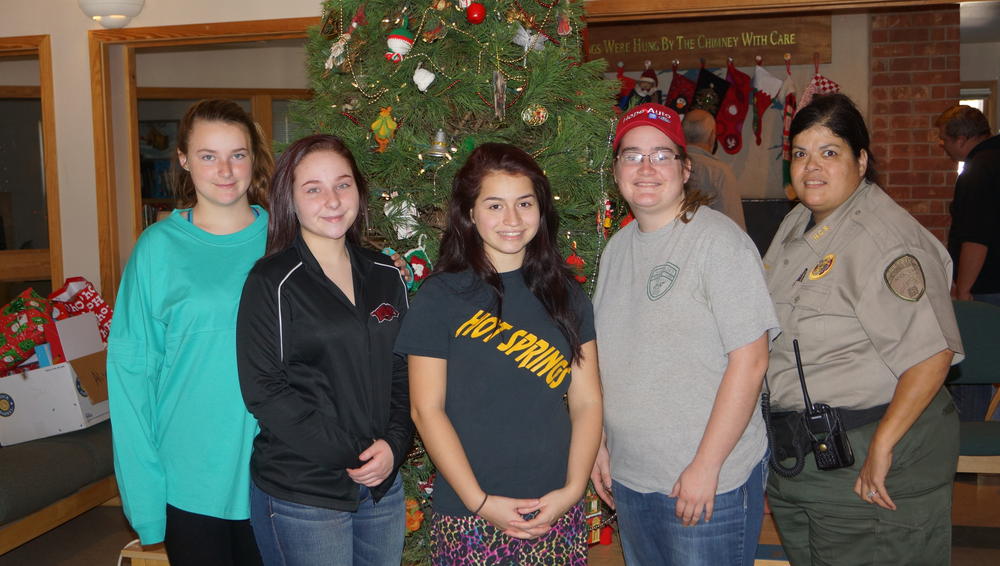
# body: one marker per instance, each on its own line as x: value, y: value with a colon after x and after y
x: 823, y: 267
x: 905, y: 278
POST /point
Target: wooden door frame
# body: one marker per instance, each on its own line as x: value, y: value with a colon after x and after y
x: 31, y: 265
x: 131, y: 39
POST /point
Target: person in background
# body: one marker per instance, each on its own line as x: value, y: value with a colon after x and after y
x: 683, y: 319
x: 974, y: 237
x: 710, y: 175
x: 180, y: 429
x: 503, y: 373
x: 861, y: 290
x: 317, y: 323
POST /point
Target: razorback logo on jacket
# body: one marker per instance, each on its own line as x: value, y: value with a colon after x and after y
x: 384, y: 312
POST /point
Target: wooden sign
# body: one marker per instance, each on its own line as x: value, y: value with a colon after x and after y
x: 714, y: 40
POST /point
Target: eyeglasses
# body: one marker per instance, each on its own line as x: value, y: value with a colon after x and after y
x: 659, y: 157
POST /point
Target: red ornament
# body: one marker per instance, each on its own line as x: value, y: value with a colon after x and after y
x: 577, y: 263
x: 475, y: 13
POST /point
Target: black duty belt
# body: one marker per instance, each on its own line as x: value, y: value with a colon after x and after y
x: 789, y: 437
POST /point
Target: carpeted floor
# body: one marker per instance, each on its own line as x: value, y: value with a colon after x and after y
x: 96, y: 537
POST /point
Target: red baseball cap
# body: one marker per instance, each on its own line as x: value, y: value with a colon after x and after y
x: 650, y: 114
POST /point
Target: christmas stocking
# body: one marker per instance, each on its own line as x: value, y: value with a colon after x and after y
x: 627, y: 84
x: 681, y: 92
x: 818, y: 85
x: 733, y: 111
x: 787, y: 93
x: 709, y: 91
x: 420, y: 263
x: 766, y: 87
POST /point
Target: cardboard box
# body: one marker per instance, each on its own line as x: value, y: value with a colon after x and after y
x: 49, y: 401
x: 59, y: 398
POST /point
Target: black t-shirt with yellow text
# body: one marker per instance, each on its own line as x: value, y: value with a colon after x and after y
x: 508, y: 373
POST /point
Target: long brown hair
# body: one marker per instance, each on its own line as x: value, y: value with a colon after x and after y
x: 283, y: 224
x: 544, y: 270
x: 227, y: 111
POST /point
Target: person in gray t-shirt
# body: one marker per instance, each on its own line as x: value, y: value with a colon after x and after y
x: 683, y: 323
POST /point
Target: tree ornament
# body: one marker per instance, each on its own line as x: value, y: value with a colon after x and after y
x: 440, y: 4
x: 402, y: 213
x: 423, y: 78
x: 384, y: 127
x: 396, y: 20
x: 338, y: 50
x: 499, y: 95
x: 439, y: 147
x: 604, y: 220
x: 414, y: 516
x: 516, y: 14
x: 577, y: 263
x: 527, y: 40
x: 434, y: 32
x: 475, y: 13
x: 329, y: 28
x: 420, y: 263
x: 535, y: 115
x: 462, y: 4
x: 563, y: 27
x: 400, y: 42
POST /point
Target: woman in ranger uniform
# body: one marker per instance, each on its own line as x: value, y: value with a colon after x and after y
x: 861, y: 289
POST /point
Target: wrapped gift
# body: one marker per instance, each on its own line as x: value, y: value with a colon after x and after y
x: 592, y: 511
x: 77, y: 295
x: 22, y: 327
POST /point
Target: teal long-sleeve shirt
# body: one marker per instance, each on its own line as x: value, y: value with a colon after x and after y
x: 182, y: 434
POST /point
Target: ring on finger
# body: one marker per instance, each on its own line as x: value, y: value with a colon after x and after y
x: 872, y: 494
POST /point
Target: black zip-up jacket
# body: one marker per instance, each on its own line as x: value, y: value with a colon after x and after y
x: 320, y: 374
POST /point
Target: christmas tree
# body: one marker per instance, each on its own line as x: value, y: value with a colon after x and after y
x: 412, y: 88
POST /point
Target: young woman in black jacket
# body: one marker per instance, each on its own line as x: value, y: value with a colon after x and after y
x: 315, y: 334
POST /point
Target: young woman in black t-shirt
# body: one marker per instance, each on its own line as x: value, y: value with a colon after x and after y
x: 500, y: 345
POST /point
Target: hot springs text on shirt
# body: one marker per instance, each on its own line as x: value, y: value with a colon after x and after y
x: 537, y: 355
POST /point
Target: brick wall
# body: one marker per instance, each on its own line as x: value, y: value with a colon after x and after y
x: 914, y: 77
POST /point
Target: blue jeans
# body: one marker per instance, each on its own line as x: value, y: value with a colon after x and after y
x: 652, y: 535
x: 292, y: 534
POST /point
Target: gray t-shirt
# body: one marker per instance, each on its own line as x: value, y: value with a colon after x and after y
x: 669, y: 306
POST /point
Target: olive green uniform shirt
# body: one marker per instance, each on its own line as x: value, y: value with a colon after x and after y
x: 865, y: 292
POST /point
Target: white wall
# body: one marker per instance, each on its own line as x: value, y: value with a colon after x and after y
x: 251, y: 67
x: 981, y: 62
x: 67, y: 26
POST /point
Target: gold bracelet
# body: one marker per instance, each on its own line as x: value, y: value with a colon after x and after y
x: 480, y: 508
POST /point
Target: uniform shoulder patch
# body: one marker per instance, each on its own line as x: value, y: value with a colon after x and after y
x: 905, y: 278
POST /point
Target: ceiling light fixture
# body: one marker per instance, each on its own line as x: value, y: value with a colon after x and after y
x: 112, y: 13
